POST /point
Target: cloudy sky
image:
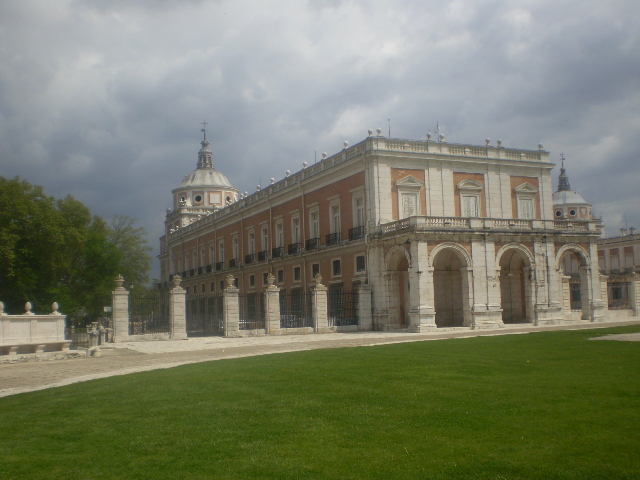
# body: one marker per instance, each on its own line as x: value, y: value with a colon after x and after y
x: 103, y: 99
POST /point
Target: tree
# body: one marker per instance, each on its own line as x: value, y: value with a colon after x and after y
x: 132, y: 243
x: 53, y: 251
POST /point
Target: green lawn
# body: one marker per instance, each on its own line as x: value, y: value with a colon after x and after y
x: 548, y: 405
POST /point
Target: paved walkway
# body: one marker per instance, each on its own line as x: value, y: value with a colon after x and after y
x: 124, y: 358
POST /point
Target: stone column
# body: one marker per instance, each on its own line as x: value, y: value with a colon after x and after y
x: 634, y: 294
x: 178, y: 310
x: 566, y: 295
x: 485, y: 296
x: 604, y: 290
x: 365, y: 317
x: 319, y: 307
x: 120, y: 300
x: 422, y: 314
x: 231, y: 308
x: 272, y: 307
x: 378, y: 282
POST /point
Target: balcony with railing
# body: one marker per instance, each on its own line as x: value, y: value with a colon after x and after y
x: 312, y: 243
x: 294, y: 248
x: 277, y: 252
x: 263, y: 256
x: 209, y: 268
x: 219, y: 266
x: 199, y: 270
x: 250, y: 258
x: 356, y: 233
x: 334, y: 238
x: 234, y: 262
x: 424, y: 223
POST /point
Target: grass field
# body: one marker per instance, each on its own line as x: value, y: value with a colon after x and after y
x: 546, y: 405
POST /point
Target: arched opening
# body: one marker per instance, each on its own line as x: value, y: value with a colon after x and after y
x: 575, y: 292
x: 450, y: 287
x: 397, y: 280
x: 515, y: 287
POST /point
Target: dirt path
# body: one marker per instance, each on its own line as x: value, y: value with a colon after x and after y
x: 121, y: 359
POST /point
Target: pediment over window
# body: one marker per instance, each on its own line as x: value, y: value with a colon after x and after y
x: 470, y: 185
x: 526, y: 188
x: 409, y: 182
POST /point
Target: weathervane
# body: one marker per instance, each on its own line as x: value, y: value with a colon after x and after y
x: 204, y: 129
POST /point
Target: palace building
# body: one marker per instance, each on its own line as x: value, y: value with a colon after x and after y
x: 444, y: 235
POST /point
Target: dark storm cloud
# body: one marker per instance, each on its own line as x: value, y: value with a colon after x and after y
x: 103, y: 99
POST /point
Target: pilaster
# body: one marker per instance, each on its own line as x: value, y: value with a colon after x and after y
x: 422, y: 314
x: 120, y: 300
x: 365, y: 312
x: 319, y: 306
x: 272, y: 307
x: 231, y: 308
x: 178, y: 310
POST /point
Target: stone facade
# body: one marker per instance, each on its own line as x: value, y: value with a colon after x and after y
x: 441, y: 235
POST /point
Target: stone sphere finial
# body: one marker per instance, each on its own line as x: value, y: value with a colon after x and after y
x: 429, y: 135
x: 54, y: 308
x: 304, y: 164
x: 271, y: 279
x: 499, y: 142
x: 287, y: 173
x: 370, y: 132
x: 540, y: 146
x: 230, y: 281
x: 119, y: 281
x: 324, y: 155
x: 441, y: 137
x: 346, y: 144
x: 318, y: 279
x: 273, y: 180
x: 379, y: 131
x: 176, y: 280
x: 487, y: 141
x: 27, y: 308
x: 1, y: 308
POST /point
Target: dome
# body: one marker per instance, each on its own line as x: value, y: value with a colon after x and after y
x: 205, y: 177
x: 568, y: 197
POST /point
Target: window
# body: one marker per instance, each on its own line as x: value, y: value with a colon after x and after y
x: 195, y: 259
x: 252, y: 243
x: 279, y: 235
x: 470, y: 191
x: 361, y: 264
x: 295, y: 230
x: 202, y: 288
x: 358, y: 220
x: 315, y: 269
x: 221, y: 251
x: 526, y: 201
x: 186, y: 289
x: 409, y: 196
x: 409, y: 204
x: 212, y: 253
x: 265, y: 278
x: 222, y: 285
x: 280, y: 276
x: 236, y: 248
x: 558, y: 213
x: 265, y: 238
x: 335, y: 218
x: 336, y: 268
x: 470, y: 205
x: 203, y: 259
x: 296, y: 274
x: 314, y: 224
x: 252, y: 280
x: 525, y: 208
x: 212, y: 287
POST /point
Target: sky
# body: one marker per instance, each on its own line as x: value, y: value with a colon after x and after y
x: 104, y: 99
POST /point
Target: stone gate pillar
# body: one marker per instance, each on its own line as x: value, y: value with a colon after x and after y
x: 178, y: 310
x: 365, y: 312
x: 120, y: 307
x: 319, y: 305
x: 634, y: 294
x: 272, y: 307
x: 231, y: 308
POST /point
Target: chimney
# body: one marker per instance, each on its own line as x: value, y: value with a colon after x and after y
x: 632, y: 230
x: 623, y: 232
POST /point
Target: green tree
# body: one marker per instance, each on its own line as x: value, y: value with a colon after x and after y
x: 53, y: 251
x: 131, y: 242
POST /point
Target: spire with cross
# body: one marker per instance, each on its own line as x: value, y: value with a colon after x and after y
x: 204, y: 129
